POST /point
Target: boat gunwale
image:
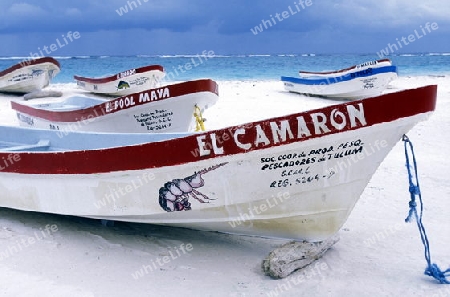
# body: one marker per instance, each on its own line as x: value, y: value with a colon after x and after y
x: 27, y: 63
x: 342, y: 70
x: 114, y: 77
x: 101, y: 109
x: 185, y: 149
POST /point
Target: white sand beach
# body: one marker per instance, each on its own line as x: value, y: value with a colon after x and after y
x: 378, y: 253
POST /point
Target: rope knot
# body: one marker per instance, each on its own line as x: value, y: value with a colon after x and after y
x: 434, y: 271
x: 412, y: 204
x: 412, y: 210
x: 414, y: 190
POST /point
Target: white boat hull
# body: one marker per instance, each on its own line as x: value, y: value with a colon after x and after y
x: 310, y: 205
x: 172, y: 115
x: 297, y: 176
x: 353, y: 69
x: 356, y: 88
x: 28, y: 78
x: 162, y: 110
x: 126, y: 85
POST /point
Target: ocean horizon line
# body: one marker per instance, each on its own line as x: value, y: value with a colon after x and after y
x: 228, y: 55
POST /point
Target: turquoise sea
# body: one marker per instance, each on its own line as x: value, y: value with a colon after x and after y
x: 238, y: 67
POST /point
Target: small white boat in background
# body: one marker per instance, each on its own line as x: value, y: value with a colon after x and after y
x: 297, y: 176
x: 354, y: 68
x: 171, y: 108
x: 355, y: 84
x: 29, y: 75
x: 124, y: 83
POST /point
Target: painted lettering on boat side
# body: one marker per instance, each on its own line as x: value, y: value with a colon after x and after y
x: 361, y: 73
x: 154, y: 95
x: 25, y: 119
x: 369, y: 63
x: 126, y: 73
x: 33, y: 74
x: 139, y: 81
x: 281, y: 131
x: 120, y: 103
x: 304, y: 179
x: 316, y: 155
x: 128, y: 101
x: 369, y: 82
x: 302, y: 170
x: 282, y: 161
x: 299, y: 171
x: 155, y: 120
x: 339, y: 157
x: 52, y: 126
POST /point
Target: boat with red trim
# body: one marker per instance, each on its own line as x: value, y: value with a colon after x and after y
x: 296, y: 176
x: 131, y: 81
x: 29, y: 75
x: 171, y: 108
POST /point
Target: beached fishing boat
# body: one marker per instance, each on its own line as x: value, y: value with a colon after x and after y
x: 297, y: 176
x: 29, y: 75
x: 352, y: 85
x: 124, y: 83
x: 354, y: 68
x: 172, y: 108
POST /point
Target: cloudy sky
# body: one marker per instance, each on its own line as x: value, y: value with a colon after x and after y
x: 155, y: 27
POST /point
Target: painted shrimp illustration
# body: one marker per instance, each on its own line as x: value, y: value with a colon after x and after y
x: 174, y: 195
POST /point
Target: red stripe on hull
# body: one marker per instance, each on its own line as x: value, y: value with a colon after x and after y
x: 205, y: 85
x: 102, y: 80
x: 30, y: 63
x: 376, y: 110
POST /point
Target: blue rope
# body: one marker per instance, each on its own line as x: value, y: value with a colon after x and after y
x: 414, y: 189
